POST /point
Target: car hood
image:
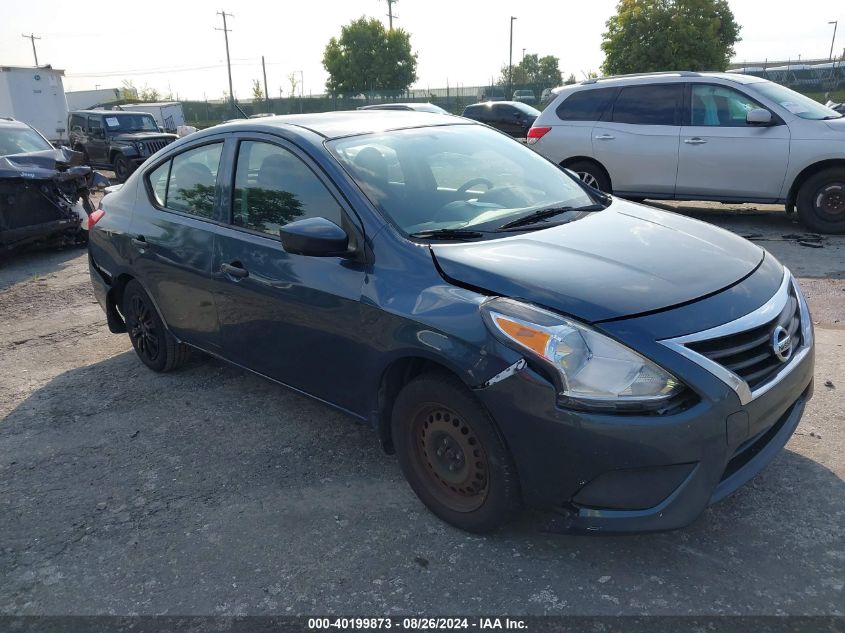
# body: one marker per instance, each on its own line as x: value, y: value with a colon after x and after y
x: 628, y: 259
x: 48, y: 163
x: 837, y: 125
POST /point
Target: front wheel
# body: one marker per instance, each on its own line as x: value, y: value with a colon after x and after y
x: 155, y: 346
x: 121, y: 168
x: 452, y: 455
x: 821, y: 201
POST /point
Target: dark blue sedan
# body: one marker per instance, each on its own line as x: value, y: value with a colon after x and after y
x: 516, y: 337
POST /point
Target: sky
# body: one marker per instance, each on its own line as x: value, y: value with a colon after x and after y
x: 172, y: 45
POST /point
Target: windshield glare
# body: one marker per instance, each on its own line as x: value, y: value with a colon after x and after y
x: 455, y: 176
x: 21, y: 140
x: 796, y: 103
x: 130, y: 123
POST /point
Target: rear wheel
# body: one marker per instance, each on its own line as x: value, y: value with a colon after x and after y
x: 452, y: 454
x: 821, y: 201
x: 591, y: 174
x: 155, y: 346
x: 121, y: 168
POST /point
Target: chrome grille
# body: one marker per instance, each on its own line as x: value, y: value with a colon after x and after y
x: 750, y: 354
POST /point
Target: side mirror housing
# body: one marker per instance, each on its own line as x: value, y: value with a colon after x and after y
x: 758, y: 116
x: 315, y: 237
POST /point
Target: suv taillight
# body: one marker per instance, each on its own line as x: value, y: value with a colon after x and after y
x: 95, y: 217
x: 536, y: 133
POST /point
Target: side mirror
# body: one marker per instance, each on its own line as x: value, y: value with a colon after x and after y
x: 758, y: 116
x: 316, y: 237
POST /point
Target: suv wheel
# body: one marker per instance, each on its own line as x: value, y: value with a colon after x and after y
x: 821, y: 201
x: 591, y: 174
x: 121, y: 168
x: 155, y: 346
x: 452, y: 455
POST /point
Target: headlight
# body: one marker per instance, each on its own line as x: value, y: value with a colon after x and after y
x: 594, y: 370
x: 139, y: 147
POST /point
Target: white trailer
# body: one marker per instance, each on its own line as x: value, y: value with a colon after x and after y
x: 168, y: 114
x: 36, y: 96
x: 90, y: 99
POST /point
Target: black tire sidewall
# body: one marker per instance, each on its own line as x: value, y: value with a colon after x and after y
x: 503, y: 496
x: 595, y: 171
x: 120, y: 159
x: 133, y: 288
x: 806, y: 205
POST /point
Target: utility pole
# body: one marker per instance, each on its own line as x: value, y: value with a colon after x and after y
x: 226, y: 31
x: 835, y: 23
x: 266, y: 94
x: 523, y: 55
x: 32, y: 37
x: 390, y: 15
x: 510, y: 58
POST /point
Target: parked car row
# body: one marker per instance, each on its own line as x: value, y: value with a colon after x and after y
x: 701, y: 136
x: 513, y: 335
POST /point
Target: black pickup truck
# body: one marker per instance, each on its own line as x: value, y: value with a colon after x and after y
x: 116, y: 140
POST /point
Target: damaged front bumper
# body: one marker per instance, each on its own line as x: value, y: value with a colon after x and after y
x: 44, y: 195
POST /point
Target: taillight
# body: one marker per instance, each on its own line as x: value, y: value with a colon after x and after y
x: 536, y: 133
x: 95, y: 217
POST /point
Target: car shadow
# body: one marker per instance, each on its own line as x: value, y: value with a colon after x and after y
x: 111, y: 475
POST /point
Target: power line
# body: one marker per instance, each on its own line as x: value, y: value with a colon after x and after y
x: 226, y: 31
x: 32, y: 37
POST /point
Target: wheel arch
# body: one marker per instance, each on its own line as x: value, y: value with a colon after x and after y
x: 587, y: 159
x: 804, y: 174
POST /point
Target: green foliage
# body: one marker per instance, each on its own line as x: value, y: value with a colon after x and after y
x: 148, y: 94
x: 533, y: 69
x: 257, y: 90
x: 128, y: 91
x: 367, y: 58
x: 655, y: 35
x: 571, y: 79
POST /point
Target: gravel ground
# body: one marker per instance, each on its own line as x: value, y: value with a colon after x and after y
x: 212, y: 491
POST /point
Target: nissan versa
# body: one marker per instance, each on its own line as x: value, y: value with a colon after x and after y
x: 513, y: 335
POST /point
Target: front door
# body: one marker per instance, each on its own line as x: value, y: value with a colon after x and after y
x: 722, y: 156
x: 96, y: 140
x: 290, y: 317
x: 637, y: 141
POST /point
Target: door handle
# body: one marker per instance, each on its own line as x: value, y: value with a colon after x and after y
x: 694, y: 141
x: 234, y: 270
x: 139, y: 242
x: 605, y: 137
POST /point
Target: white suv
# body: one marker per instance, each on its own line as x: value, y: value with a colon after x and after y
x: 700, y: 136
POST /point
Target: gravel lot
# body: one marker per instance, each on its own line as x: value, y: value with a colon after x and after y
x: 212, y: 491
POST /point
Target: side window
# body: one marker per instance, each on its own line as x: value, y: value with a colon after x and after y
x: 655, y: 104
x: 77, y: 121
x: 586, y: 105
x: 503, y: 112
x: 187, y: 182
x: 94, y: 123
x: 273, y: 187
x: 719, y: 106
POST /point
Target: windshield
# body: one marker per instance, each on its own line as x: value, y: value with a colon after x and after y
x: 130, y: 123
x: 454, y: 177
x: 21, y: 140
x: 796, y: 103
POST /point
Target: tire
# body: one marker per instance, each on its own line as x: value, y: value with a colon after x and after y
x: 155, y: 346
x: 121, y: 168
x: 821, y: 201
x: 591, y: 174
x: 437, y: 424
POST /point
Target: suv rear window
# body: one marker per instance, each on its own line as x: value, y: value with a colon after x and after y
x: 655, y: 104
x: 586, y: 105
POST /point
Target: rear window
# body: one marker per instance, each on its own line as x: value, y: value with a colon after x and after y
x: 586, y: 105
x: 655, y: 104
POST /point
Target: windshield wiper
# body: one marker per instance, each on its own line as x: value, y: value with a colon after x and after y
x: 447, y: 234
x: 543, y: 214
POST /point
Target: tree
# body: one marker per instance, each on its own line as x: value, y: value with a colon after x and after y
x: 149, y: 94
x: 128, y: 91
x: 655, y: 35
x: 570, y: 80
x: 294, y: 82
x: 367, y: 58
x: 257, y: 91
x: 533, y: 69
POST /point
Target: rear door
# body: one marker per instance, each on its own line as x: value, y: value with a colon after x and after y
x: 172, y: 236
x: 508, y: 119
x: 290, y: 317
x: 722, y: 156
x: 637, y: 140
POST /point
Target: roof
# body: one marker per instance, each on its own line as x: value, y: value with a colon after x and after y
x: 675, y: 74
x: 351, y: 122
x: 157, y: 104
x: 109, y: 112
x: 10, y: 122
x: 31, y: 68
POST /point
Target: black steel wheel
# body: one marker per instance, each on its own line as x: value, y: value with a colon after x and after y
x: 121, y: 168
x: 452, y: 454
x: 821, y: 201
x: 155, y: 346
